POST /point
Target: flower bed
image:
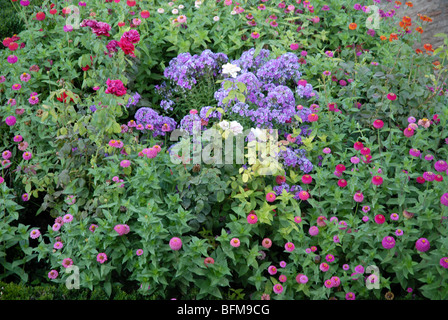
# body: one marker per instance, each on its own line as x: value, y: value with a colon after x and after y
x: 223, y: 150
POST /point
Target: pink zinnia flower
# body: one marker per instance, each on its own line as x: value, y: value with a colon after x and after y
x: 175, y: 243
x: 414, y: 152
x: 125, y: 163
x: 67, y: 218
x: 270, y: 197
x: 18, y: 138
x: 67, y: 262
x: 252, y: 218
x: 93, y: 227
x: 58, y: 245
x: 444, y: 262
x: 304, y: 195
x: 336, y: 281
x: 101, y: 257
x: 34, y: 234
x: 444, y: 199
x: 378, y: 124
x: 10, y: 121
x: 328, y: 284
x: 16, y: 86
x: 27, y: 155
x: 321, y: 221
x: 307, y: 179
x: 408, y: 132
x: 314, y: 231
x: 324, y: 267
x: 235, y: 242
x: 294, y: 46
x: 342, y: 183
x: 358, y: 145
x: 422, y: 245
x: 278, y: 288
x: 329, y: 258
x: 53, y: 274
x: 377, y: 180
x: 440, y: 165
x: 266, y: 243
x: 380, y: 219
x: 6, y: 154
x: 209, y: 260
x: 25, y: 197
x: 272, y: 270
x: 350, y: 296
x: 388, y: 242
x: 122, y: 229
x: 289, y: 246
x: 358, y: 197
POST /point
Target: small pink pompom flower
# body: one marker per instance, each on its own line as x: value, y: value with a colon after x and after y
x: 125, y: 163
x: 235, y: 242
x: 314, y: 231
x: 175, y: 243
x: 266, y: 243
x: 278, y: 288
x: 270, y: 197
x: 289, y: 246
x: 388, y: 242
x: 252, y: 218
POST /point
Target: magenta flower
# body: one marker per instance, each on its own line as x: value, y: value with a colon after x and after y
x: 441, y: 166
x: 444, y: 199
x: 25, y: 197
x: 12, y: 59
x: 422, y: 245
x: 328, y: 284
x: 388, y: 242
x: 101, y: 257
x: 53, y: 274
x: 10, y: 120
x: 414, y: 152
x: 58, y: 245
x: 16, y: 86
x: 350, y: 296
x: 398, y: 232
x: 444, y: 262
x: 27, y: 155
x: 67, y: 218
x: 93, y: 227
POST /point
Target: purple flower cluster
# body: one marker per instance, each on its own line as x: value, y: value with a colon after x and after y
x: 98, y: 28
x: 185, y: 70
x: 289, y: 189
x: 296, y: 158
x: 161, y: 124
x: 132, y: 101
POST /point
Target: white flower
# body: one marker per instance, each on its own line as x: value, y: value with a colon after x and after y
x: 236, y: 128
x: 215, y: 18
x: 233, y: 12
x: 230, y: 69
x: 174, y: 11
x: 224, y: 125
x: 181, y: 6
x: 160, y: 10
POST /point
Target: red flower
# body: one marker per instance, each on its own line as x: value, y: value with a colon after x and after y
x: 392, y: 96
x: 127, y: 46
x: 145, y: 14
x: 421, y: 180
x: 358, y: 145
x: 121, y: 24
x: 378, y: 124
x: 280, y: 179
x: 131, y: 3
x: 342, y: 183
x: 365, y: 151
x: 53, y: 11
x: 115, y: 87
x: 63, y: 98
x: 340, y: 168
x: 13, y: 46
x: 40, y: 16
x: 380, y: 219
x: 377, y: 180
x: 307, y: 179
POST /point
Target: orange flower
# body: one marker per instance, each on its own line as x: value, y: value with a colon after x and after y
x: 352, y: 26
x: 428, y: 47
x: 398, y: 3
x: 419, y: 29
x: 409, y: 4
x: 393, y: 36
x: 418, y: 51
x: 383, y: 38
x: 407, y: 20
